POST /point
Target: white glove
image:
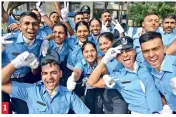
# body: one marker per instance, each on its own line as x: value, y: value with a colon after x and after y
x: 173, y: 85
x: 40, y: 8
x: 25, y: 59
x: 71, y: 84
x: 111, y: 54
x: 64, y: 12
x: 166, y: 110
x: 118, y: 26
x: 44, y: 47
x: 108, y: 81
x: 105, y: 28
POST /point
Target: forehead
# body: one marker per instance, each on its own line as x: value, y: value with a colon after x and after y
x: 94, y: 22
x: 28, y: 19
x: 153, y: 43
x: 82, y: 27
x: 60, y: 28
x: 151, y: 17
x: 169, y: 20
x: 50, y: 67
x: 54, y: 14
x: 79, y: 16
x: 103, y: 39
x: 106, y: 13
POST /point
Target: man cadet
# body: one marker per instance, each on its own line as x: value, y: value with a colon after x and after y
x: 45, y: 96
x: 168, y: 36
x: 85, y: 10
x: 163, y: 67
x: 26, y: 40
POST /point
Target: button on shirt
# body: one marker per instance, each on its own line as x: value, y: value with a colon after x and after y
x: 40, y: 102
x: 141, y: 98
x: 162, y: 79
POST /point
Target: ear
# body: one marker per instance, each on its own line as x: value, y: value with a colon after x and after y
x: 60, y: 73
x: 143, y: 24
x: 19, y: 25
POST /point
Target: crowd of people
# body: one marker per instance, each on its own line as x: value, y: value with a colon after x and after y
x: 88, y: 66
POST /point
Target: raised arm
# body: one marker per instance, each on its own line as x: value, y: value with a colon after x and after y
x: 171, y: 49
x: 24, y: 59
x: 40, y: 8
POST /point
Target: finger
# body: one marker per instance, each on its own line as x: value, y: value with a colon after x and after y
x: 67, y: 5
x: 106, y: 23
x: 6, y: 42
x: 118, y: 47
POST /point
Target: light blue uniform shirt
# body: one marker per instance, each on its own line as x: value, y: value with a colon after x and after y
x: 18, y: 46
x: 40, y: 102
x: 128, y: 84
x: 46, y: 29
x: 85, y: 67
x: 11, y: 21
x: 75, y: 52
x: 168, y: 38
x: 63, y: 51
x: 162, y: 79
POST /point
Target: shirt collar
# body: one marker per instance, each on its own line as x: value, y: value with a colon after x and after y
x: 20, y: 38
x: 167, y: 64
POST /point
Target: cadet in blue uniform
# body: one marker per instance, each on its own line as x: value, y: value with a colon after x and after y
x: 27, y: 40
x: 163, y: 67
x: 133, y: 81
x: 93, y: 96
x: 113, y: 101
x: 168, y: 35
x: 46, y: 96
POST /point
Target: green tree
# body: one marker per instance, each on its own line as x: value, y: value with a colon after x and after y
x: 138, y: 10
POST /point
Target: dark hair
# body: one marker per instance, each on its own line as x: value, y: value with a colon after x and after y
x: 50, y: 62
x: 34, y: 9
x: 88, y: 42
x: 81, y: 23
x: 97, y: 20
x: 105, y: 10
x: 52, y: 13
x: 63, y: 25
x: 149, y: 36
x: 78, y: 13
x: 170, y: 16
x: 150, y: 13
x: 29, y: 13
x: 108, y: 35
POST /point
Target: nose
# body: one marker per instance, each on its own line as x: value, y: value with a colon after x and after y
x: 31, y: 26
x: 124, y: 54
x: 151, y: 53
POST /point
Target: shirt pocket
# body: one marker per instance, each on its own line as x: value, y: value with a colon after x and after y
x: 40, y: 107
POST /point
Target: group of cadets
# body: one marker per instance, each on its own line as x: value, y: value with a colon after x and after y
x: 87, y: 65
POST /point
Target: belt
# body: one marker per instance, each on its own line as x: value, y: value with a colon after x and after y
x: 18, y: 75
x: 70, y: 67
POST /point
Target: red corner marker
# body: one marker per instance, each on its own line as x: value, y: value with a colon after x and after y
x: 5, y: 107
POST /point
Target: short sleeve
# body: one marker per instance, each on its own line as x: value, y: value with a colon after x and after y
x: 77, y: 105
x: 20, y: 90
x: 79, y: 65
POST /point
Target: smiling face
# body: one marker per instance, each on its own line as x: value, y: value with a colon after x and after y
x: 55, y: 18
x: 89, y: 53
x: 168, y: 25
x: 127, y: 58
x: 59, y: 35
x: 153, y: 54
x: 104, y: 44
x: 151, y: 23
x: 78, y: 18
x: 51, y: 74
x: 29, y: 27
x: 95, y: 27
x: 82, y: 33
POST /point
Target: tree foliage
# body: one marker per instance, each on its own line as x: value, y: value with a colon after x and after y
x: 138, y: 10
